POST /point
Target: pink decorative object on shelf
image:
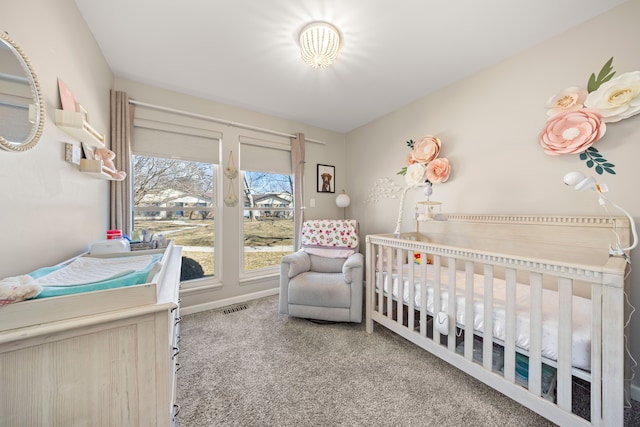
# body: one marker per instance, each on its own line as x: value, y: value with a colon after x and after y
x: 67, y: 100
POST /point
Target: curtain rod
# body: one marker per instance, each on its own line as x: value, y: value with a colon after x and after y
x: 221, y: 121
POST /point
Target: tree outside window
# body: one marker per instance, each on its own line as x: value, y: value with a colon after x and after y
x: 176, y: 198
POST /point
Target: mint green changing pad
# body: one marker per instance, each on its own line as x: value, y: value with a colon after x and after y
x: 128, y: 278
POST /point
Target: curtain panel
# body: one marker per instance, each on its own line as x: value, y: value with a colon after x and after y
x: 297, y: 167
x: 120, y: 216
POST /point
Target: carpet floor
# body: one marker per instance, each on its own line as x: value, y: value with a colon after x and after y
x: 247, y: 365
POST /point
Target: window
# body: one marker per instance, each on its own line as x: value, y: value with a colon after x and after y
x: 267, y: 197
x: 178, y: 187
x: 267, y: 220
x: 176, y: 198
x: 175, y: 164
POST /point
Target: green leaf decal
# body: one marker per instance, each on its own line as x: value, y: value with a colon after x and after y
x: 594, y: 158
x: 605, y: 74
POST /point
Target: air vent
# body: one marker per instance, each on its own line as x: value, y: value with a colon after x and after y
x: 235, y: 308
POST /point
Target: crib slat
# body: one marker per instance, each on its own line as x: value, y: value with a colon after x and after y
x: 412, y: 292
x: 451, y: 304
x: 437, y: 306
x: 510, y: 327
x: 564, y: 342
x: 390, y: 281
x: 468, y: 311
x: 423, y: 296
x: 535, y: 334
x: 487, y: 347
x: 400, y: 257
x: 596, y: 350
x: 381, y: 278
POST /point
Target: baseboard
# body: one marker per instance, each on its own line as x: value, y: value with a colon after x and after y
x: 229, y: 301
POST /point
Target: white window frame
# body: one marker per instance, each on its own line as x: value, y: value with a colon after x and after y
x: 168, y: 125
x: 216, y: 209
x: 270, y: 142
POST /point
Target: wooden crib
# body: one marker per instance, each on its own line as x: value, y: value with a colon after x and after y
x: 544, y: 299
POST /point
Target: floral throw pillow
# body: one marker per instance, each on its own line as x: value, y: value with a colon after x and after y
x: 330, y: 233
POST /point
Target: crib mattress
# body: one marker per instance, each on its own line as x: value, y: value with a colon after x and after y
x: 581, y: 335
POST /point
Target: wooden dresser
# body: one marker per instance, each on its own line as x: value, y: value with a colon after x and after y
x: 102, y: 358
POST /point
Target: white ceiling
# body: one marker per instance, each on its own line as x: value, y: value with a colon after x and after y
x: 245, y: 53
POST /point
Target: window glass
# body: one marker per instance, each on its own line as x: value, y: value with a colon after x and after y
x: 176, y: 198
x: 267, y: 219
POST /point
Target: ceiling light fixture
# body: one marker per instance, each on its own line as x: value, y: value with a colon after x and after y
x: 319, y: 44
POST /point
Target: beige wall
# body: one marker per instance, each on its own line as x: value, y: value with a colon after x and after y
x: 50, y: 211
x: 489, y: 126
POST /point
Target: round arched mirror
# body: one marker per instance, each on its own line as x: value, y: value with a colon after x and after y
x: 21, y: 103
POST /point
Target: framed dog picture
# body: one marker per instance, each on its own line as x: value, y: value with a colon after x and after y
x: 326, y: 179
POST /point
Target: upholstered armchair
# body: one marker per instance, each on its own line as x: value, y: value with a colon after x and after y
x: 324, y: 279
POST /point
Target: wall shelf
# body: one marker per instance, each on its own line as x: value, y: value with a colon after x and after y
x: 75, y: 125
x: 95, y: 168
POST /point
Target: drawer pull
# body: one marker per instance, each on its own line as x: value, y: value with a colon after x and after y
x: 178, y: 366
x: 176, y: 411
x: 175, y: 308
x: 176, y: 351
x: 178, y: 320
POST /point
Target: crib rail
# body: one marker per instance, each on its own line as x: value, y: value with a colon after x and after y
x: 392, y: 263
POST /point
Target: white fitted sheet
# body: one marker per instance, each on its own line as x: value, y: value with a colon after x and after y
x: 581, y: 336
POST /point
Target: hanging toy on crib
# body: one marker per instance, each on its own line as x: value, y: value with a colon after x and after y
x: 417, y: 256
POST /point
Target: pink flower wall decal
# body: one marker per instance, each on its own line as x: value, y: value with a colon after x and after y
x: 423, y: 164
x: 578, y: 115
x: 572, y: 132
x: 438, y: 170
